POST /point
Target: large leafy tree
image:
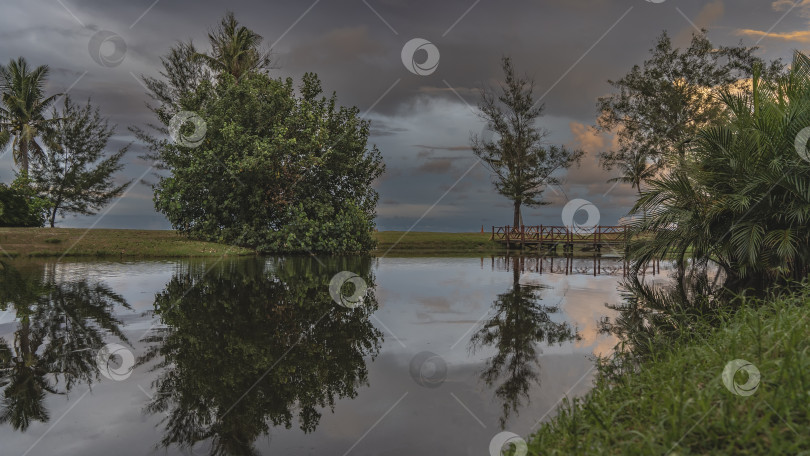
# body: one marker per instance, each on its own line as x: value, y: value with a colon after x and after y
x: 279, y: 169
x: 659, y: 107
x: 523, y: 164
x: 75, y: 175
x: 742, y: 197
x: 23, y: 110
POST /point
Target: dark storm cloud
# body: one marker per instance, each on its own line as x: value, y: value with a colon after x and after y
x: 421, y: 124
x: 358, y: 55
x: 431, y: 149
x: 436, y: 165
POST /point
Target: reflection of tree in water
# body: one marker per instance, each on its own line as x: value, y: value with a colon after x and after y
x: 520, y: 322
x: 250, y: 344
x: 61, y: 327
x: 653, y: 314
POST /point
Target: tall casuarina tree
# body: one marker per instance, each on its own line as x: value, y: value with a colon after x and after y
x: 518, y: 156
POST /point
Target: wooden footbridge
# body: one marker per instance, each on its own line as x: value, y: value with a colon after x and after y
x: 551, y: 236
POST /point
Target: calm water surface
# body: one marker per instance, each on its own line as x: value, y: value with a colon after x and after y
x: 254, y: 356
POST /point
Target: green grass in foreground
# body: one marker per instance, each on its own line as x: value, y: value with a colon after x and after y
x: 677, y: 402
x: 54, y: 242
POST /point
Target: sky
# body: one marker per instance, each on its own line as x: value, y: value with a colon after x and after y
x: 421, y: 104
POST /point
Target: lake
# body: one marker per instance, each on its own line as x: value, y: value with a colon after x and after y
x: 396, y: 356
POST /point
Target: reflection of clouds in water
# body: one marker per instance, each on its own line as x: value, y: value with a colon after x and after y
x: 385, y: 295
x: 588, y: 309
x: 582, y: 299
x: 424, y: 410
x: 430, y: 303
x: 585, y: 306
x: 136, y: 282
x: 427, y: 303
x: 455, y: 303
x: 437, y: 304
x: 451, y: 290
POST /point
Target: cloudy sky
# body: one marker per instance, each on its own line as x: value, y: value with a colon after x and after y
x: 420, y: 122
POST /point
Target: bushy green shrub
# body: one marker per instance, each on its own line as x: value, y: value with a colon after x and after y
x: 19, y: 205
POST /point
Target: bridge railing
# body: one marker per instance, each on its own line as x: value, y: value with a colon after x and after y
x: 560, y: 234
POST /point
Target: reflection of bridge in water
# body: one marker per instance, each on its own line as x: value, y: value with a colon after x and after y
x: 568, y: 265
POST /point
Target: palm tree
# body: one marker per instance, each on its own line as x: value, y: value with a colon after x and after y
x: 235, y: 49
x: 22, y: 109
x: 635, y: 170
x: 742, y: 198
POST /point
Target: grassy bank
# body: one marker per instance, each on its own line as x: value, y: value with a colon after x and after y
x: 54, y: 242
x: 400, y: 243
x: 678, y: 404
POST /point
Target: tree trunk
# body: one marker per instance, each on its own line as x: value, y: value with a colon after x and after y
x: 644, y: 212
x: 517, y: 218
x: 24, y: 156
x: 55, y: 208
